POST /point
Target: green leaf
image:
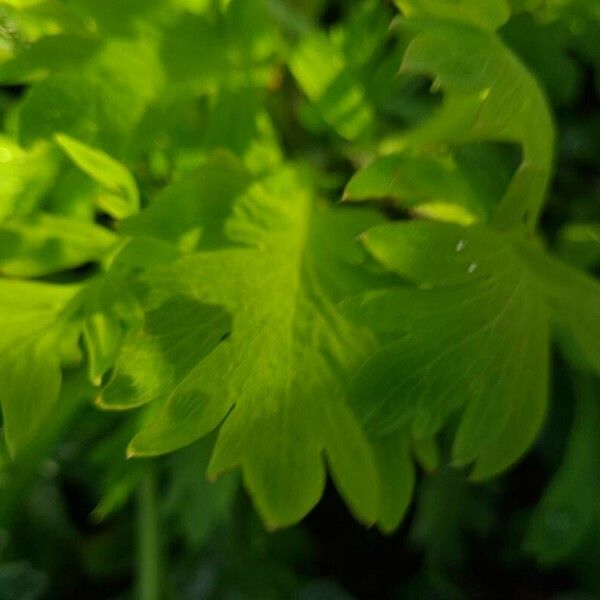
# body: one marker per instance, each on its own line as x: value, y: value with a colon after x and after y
x: 469, y: 330
x: 159, y: 355
x: 21, y: 581
x: 193, y: 53
x: 49, y: 54
x: 64, y: 102
x: 461, y: 186
x: 207, y: 51
x: 31, y: 297
x: 365, y: 33
x: 396, y: 477
x: 196, y: 505
x: 99, y: 104
x: 574, y: 301
x: 519, y: 6
x: 25, y: 177
x: 123, y: 199
x: 193, y: 210
x: 489, y: 14
x: 285, y: 368
x: 570, y: 506
x: 416, y: 181
x: 580, y: 244
x: 238, y: 122
x: 490, y: 95
x: 118, y: 19
x: 448, y: 513
x: 545, y: 49
x: 318, y: 66
x: 109, y: 309
x: 31, y: 380
x: 44, y: 244
x: 427, y: 453
x: 34, y: 342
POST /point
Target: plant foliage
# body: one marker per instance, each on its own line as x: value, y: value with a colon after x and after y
x: 172, y: 241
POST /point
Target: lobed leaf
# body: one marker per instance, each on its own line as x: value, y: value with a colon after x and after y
x: 490, y: 95
x: 279, y: 380
x: 469, y: 330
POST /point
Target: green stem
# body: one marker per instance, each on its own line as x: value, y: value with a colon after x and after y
x: 148, y: 539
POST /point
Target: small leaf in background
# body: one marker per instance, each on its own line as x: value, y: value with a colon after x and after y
x: 25, y: 177
x: 49, y: 55
x: 20, y: 581
x: 449, y: 513
x: 31, y: 380
x: 99, y: 104
x: 416, y: 182
x: 579, y: 244
x: 198, y: 506
x: 123, y: 199
x: 45, y: 244
x: 489, y: 14
x: 110, y: 309
x: 319, y: 68
x: 544, y: 48
x: 34, y: 341
x: 30, y: 309
x: 570, y: 507
x: 192, y: 211
x: 63, y: 103
x: 205, y: 52
x: 460, y: 186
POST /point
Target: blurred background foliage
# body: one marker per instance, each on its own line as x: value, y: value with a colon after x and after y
x: 162, y: 83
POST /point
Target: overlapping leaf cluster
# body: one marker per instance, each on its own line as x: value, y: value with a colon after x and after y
x: 165, y: 225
